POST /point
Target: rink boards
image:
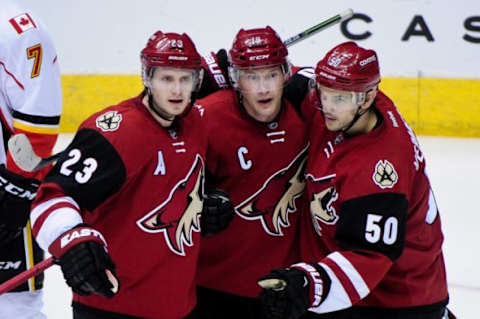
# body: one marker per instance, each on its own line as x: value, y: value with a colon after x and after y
x: 432, y: 106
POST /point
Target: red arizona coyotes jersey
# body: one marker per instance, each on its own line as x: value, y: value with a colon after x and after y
x: 372, y: 206
x: 261, y: 166
x: 31, y: 95
x: 141, y: 186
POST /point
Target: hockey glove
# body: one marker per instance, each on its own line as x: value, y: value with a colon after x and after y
x: 86, y: 266
x: 217, y: 212
x: 288, y: 293
x: 16, y: 195
x: 216, y: 69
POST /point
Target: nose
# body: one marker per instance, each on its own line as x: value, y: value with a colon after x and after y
x: 264, y: 85
x: 176, y: 87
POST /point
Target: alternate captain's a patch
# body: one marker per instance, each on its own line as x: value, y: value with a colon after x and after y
x: 109, y: 121
x: 385, y: 175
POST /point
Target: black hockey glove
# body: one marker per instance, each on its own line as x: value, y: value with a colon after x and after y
x: 222, y: 58
x: 16, y: 195
x: 288, y: 293
x: 217, y: 212
x: 216, y: 73
x: 285, y: 294
x: 86, y: 266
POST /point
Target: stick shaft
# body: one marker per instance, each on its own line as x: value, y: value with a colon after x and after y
x: 24, y: 276
x: 48, y: 160
x: 317, y: 28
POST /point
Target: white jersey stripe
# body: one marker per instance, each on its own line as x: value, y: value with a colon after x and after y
x: 39, y: 209
x: 58, y: 222
x: 337, y: 298
x: 356, y: 279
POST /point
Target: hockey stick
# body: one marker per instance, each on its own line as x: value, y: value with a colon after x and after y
x: 39, y: 268
x: 24, y: 276
x: 25, y: 157
x: 319, y: 27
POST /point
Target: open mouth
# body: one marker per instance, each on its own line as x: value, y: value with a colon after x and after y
x: 265, y: 101
x: 175, y: 101
x: 330, y: 118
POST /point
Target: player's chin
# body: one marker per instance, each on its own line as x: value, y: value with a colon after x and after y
x: 267, y: 112
x: 177, y: 107
x: 332, y: 125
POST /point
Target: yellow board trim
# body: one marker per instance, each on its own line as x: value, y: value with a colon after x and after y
x: 432, y: 106
x: 35, y: 129
x: 84, y: 95
x: 30, y: 260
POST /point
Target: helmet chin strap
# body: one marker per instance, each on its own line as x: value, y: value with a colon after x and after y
x: 356, y: 117
x: 163, y: 115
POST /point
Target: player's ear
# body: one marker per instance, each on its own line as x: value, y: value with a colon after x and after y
x: 369, y: 98
x: 148, y: 82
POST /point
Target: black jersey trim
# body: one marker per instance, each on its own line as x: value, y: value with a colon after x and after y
x: 83, y: 311
x: 432, y: 311
x: 108, y: 177
x: 375, y: 222
x: 296, y: 89
x: 36, y: 119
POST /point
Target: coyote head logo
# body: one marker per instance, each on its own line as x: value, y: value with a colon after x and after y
x: 272, y: 203
x: 179, y: 215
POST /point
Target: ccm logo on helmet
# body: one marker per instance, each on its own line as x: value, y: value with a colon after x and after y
x: 16, y: 190
x: 85, y: 232
x: 368, y: 60
x: 259, y: 57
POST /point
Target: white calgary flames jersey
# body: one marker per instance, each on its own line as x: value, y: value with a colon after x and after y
x: 31, y: 98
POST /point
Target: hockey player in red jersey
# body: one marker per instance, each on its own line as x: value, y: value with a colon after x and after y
x: 371, y: 206
x: 123, y: 204
x: 30, y: 103
x: 256, y: 152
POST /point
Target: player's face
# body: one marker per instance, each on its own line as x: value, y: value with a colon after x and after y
x: 262, y: 92
x: 338, y: 108
x: 171, y: 89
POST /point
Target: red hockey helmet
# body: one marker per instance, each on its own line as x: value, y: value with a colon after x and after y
x: 169, y: 50
x: 257, y: 48
x: 349, y: 67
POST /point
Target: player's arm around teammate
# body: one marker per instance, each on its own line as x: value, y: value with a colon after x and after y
x: 371, y: 207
